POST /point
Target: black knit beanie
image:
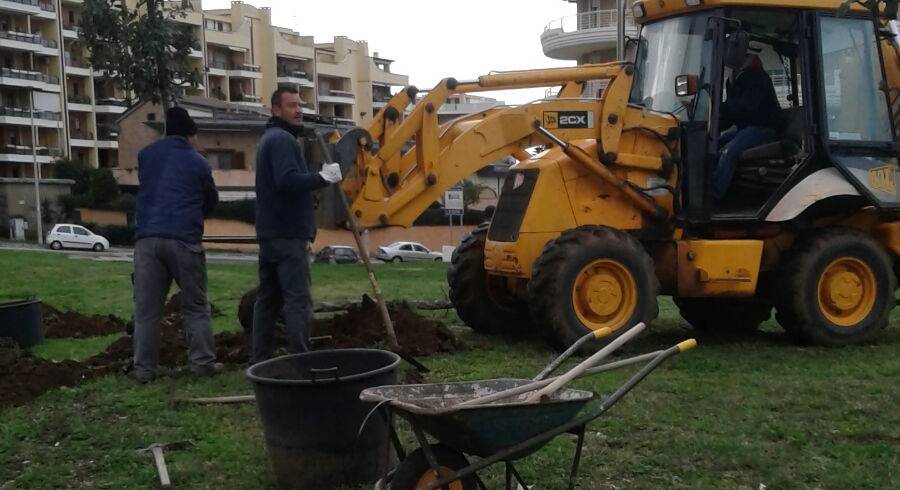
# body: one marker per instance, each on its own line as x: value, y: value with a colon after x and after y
x: 179, y: 123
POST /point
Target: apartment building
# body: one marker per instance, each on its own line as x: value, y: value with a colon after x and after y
x: 240, y: 56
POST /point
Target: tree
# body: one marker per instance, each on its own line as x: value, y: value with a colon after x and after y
x: 472, y: 192
x: 143, y: 49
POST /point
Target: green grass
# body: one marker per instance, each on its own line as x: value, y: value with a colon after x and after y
x: 734, y: 413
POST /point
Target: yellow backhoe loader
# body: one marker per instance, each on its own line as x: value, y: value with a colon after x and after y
x: 615, y: 209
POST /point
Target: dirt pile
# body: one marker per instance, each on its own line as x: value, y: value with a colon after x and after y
x: 23, y: 378
x: 69, y: 324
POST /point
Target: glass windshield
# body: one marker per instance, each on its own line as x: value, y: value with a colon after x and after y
x: 669, y: 48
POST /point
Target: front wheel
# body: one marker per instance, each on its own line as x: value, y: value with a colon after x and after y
x: 396, y: 259
x: 838, y: 289
x: 415, y: 472
x: 485, y: 302
x: 56, y: 245
x: 98, y: 247
x: 590, y: 278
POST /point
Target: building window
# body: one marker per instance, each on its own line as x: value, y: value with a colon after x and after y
x: 217, y: 25
x: 225, y: 159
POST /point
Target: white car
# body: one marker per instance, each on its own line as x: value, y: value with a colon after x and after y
x: 66, y: 235
x: 400, y: 251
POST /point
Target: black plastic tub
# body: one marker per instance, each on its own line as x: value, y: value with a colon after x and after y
x: 311, y: 413
x: 21, y: 321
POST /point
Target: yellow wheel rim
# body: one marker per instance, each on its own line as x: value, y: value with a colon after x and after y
x: 847, y: 291
x: 604, y: 294
x: 428, y: 478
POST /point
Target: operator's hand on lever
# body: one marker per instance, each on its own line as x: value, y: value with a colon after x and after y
x: 331, y: 172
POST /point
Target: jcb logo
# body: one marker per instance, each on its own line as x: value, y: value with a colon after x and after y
x: 882, y: 179
x: 568, y: 119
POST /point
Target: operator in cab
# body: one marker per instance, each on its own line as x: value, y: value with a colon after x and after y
x: 750, y: 116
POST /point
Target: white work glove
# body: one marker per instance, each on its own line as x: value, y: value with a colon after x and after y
x: 331, y: 172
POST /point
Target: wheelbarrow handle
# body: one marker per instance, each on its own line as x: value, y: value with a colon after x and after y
x: 594, y: 335
x: 573, y: 373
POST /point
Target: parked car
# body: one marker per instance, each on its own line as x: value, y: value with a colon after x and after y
x: 400, y: 251
x: 336, y: 254
x: 67, y: 235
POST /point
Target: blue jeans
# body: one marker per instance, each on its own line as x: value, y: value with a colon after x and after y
x: 731, y: 144
x: 284, y: 284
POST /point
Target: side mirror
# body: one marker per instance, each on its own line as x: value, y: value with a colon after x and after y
x: 686, y: 85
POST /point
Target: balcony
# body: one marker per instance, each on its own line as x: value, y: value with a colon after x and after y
x: 37, y: 8
x: 337, y: 97
x: 24, y: 78
x: 71, y: 31
x: 570, y: 38
x: 80, y: 103
x: 294, y: 77
x: 32, y: 43
x: 77, y: 67
x: 25, y: 154
x: 244, y: 70
x: 22, y: 117
x: 82, y: 139
x: 107, y: 136
x: 111, y: 105
x: 218, y: 68
x: 196, y: 53
x: 247, y: 100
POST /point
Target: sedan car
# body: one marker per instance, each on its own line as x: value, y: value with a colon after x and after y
x: 336, y: 254
x: 400, y: 251
x: 66, y: 235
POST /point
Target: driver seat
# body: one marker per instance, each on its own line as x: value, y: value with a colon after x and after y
x: 765, y: 167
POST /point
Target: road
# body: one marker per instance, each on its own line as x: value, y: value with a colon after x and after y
x: 121, y: 254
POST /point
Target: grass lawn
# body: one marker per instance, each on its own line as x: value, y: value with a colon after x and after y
x: 734, y: 413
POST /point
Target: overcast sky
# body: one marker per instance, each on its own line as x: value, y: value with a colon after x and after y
x: 464, y: 39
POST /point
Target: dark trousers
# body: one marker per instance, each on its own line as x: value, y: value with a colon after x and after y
x: 731, y: 144
x: 284, y: 283
x: 157, y: 261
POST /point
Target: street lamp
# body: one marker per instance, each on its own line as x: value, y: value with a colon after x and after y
x: 37, y: 173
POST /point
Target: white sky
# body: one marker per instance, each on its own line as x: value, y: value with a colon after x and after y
x: 430, y: 40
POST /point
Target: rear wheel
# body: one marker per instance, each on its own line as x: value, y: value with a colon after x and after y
x: 590, y: 278
x: 415, y: 472
x: 838, y: 289
x: 485, y: 302
x: 56, y: 245
x: 723, y: 315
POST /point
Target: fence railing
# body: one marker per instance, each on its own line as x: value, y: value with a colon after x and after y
x: 26, y: 150
x: 26, y: 37
x: 20, y: 112
x: 28, y: 75
x: 597, y: 19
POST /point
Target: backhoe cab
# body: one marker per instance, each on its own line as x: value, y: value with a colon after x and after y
x: 617, y: 208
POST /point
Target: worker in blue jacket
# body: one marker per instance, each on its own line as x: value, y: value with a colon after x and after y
x: 285, y: 227
x: 176, y: 192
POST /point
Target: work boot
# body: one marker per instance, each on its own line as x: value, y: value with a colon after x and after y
x: 208, y: 371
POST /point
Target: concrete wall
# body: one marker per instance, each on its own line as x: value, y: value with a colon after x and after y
x: 433, y: 237
x: 103, y: 217
x: 17, y: 200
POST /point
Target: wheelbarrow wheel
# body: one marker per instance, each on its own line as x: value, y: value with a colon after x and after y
x: 415, y: 472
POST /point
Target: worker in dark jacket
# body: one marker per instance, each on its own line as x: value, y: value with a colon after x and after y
x: 752, y: 108
x: 176, y: 193
x: 285, y: 226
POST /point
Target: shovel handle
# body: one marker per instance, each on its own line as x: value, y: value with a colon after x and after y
x: 161, y: 469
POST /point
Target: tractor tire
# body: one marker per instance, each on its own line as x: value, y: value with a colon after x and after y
x: 838, y: 289
x: 415, y: 472
x: 483, y: 301
x: 589, y: 278
x: 723, y: 315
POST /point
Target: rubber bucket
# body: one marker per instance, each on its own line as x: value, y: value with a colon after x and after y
x: 311, y: 414
x: 21, y: 321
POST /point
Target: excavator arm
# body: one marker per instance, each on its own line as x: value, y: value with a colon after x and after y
x: 393, y: 182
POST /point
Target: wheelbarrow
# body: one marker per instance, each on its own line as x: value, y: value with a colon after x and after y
x: 499, y: 420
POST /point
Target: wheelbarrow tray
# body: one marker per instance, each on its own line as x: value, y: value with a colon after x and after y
x: 479, y: 430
